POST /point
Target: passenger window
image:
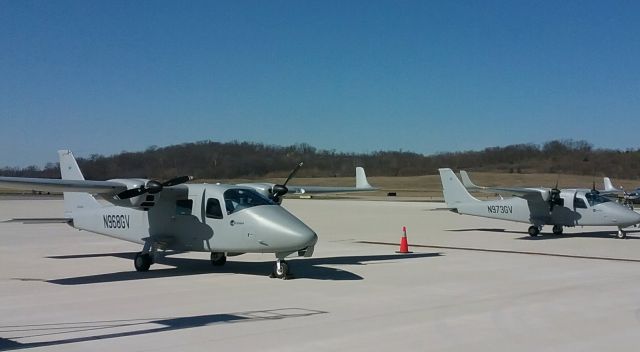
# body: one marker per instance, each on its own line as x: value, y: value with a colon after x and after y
x: 184, y: 206
x: 213, y: 209
x: 579, y: 203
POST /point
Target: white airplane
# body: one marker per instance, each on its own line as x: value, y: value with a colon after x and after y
x: 537, y: 206
x: 225, y: 220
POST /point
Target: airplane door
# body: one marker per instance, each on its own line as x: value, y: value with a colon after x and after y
x: 582, y: 209
x: 229, y: 234
x: 563, y: 213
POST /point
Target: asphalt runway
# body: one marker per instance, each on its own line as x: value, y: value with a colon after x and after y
x: 470, y: 284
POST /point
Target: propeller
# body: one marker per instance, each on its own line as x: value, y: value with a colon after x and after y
x: 554, y: 197
x: 279, y: 190
x: 152, y: 187
x: 593, y: 188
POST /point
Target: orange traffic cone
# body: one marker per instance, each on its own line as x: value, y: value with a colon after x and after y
x: 404, y: 244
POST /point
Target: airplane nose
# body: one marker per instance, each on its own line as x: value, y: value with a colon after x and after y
x: 630, y: 217
x: 635, y: 217
x: 281, y: 229
x: 299, y: 234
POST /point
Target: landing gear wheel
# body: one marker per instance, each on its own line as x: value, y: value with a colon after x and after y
x: 142, y: 261
x: 281, y: 270
x: 218, y: 258
x: 621, y: 234
x: 534, y: 231
x: 557, y: 229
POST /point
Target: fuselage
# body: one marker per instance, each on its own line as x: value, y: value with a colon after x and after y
x: 203, y: 217
x: 577, y: 208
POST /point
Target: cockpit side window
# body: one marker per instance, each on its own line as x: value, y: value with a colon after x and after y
x: 578, y: 203
x: 595, y: 199
x: 213, y: 210
x: 236, y: 199
x: 184, y: 206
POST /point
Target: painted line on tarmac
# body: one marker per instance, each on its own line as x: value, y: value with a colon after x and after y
x: 509, y: 252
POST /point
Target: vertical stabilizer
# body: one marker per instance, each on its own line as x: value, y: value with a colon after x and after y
x: 361, y: 179
x: 69, y: 170
x: 608, y: 186
x: 454, y: 191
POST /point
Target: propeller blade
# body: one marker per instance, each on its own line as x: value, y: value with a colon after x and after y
x: 177, y: 181
x: 280, y: 190
x: 130, y: 193
x: 293, y: 173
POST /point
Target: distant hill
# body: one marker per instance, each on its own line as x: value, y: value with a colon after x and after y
x: 215, y: 160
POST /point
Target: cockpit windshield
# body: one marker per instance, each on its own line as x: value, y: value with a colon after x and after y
x: 595, y: 199
x: 236, y: 199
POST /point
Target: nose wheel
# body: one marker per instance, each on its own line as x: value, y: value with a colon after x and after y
x: 218, y: 258
x: 281, y: 270
x: 621, y: 234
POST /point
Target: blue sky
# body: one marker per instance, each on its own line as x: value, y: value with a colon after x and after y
x: 354, y: 76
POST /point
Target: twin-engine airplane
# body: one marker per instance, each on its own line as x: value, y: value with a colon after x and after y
x: 225, y: 220
x: 537, y: 206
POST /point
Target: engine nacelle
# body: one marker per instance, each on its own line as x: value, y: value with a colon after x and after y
x: 143, y: 201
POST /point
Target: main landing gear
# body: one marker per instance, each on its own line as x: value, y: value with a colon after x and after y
x: 557, y: 229
x: 281, y: 270
x: 621, y: 234
x: 534, y: 231
x: 143, y: 260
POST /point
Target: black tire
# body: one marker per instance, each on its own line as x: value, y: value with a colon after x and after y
x: 142, y: 261
x: 218, y: 261
x: 534, y: 231
x: 621, y: 235
x: 557, y: 229
x: 283, y: 273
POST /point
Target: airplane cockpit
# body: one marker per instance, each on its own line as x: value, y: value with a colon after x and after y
x: 595, y: 198
x: 236, y: 199
x: 588, y: 199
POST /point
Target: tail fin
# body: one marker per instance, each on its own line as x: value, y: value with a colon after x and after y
x: 466, y: 181
x: 608, y: 186
x: 69, y: 170
x: 361, y: 179
x: 453, y: 189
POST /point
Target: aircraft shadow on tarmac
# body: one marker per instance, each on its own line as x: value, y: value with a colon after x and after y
x: 549, y: 236
x: 311, y: 268
x: 108, y: 329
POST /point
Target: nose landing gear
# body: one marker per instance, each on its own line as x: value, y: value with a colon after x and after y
x: 281, y: 270
x: 218, y: 258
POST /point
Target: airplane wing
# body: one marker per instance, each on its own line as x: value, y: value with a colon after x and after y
x: 529, y: 193
x: 361, y: 185
x: 58, y: 185
x: 267, y: 189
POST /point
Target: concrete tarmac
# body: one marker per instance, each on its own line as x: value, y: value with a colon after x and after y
x: 471, y: 284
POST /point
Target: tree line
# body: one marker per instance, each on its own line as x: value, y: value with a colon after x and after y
x: 215, y: 160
